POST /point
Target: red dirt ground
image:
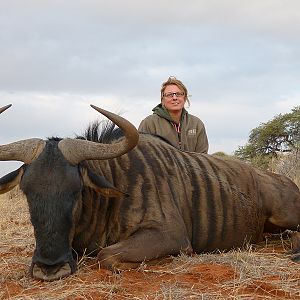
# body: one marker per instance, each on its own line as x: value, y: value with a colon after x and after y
x: 259, y: 272
x: 182, y: 278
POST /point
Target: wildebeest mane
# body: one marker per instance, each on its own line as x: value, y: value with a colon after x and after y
x: 159, y: 137
x: 54, y: 138
x: 102, y: 132
x: 106, y: 132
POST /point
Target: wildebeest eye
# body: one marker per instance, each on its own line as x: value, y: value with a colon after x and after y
x: 100, y: 184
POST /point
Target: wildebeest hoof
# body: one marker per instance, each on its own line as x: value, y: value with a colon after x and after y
x: 295, y: 239
x: 296, y: 258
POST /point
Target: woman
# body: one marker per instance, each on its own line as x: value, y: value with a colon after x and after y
x: 171, y: 121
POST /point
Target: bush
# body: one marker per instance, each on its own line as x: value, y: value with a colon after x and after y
x: 271, y: 140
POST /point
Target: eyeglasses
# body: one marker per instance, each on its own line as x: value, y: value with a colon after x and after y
x: 170, y: 95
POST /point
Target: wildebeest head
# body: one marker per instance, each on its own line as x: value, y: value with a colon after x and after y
x: 53, y: 179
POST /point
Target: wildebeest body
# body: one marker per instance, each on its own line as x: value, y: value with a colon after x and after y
x: 151, y: 202
x: 190, y: 200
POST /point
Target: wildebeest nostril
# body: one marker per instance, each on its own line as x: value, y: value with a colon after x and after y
x: 51, y: 269
x: 50, y: 273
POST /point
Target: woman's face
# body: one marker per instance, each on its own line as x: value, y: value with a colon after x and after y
x: 173, y: 98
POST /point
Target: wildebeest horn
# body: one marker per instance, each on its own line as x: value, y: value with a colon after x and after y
x: 25, y: 151
x: 75, y: 150
x: 2, y: 109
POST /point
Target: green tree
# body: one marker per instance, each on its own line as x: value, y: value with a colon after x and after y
x: 277, y: 136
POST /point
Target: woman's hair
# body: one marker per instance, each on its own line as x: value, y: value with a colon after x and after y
x: 178, y: 83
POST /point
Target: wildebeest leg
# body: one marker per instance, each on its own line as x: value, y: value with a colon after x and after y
x: 284, y: 214
x: 287, y: 218
x: 295, y: 238
x: 144, y: 245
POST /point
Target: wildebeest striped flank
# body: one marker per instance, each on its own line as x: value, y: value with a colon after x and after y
x: 139, y: 198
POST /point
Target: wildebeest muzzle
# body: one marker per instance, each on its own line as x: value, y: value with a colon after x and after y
x: 52, y: 270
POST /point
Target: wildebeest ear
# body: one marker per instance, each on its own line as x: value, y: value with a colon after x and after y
x: 100, y: 184
x: 10, y: 180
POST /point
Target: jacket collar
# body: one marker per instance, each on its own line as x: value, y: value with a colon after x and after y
x: 164, y: 113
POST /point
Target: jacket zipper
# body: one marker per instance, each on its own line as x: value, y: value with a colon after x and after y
x: 177, y: 128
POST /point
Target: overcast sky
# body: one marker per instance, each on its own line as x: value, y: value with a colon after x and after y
x: 239, y: 59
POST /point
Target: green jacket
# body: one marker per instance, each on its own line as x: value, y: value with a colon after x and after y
x: 192, y: 135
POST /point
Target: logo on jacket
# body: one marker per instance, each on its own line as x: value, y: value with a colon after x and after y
x: 192, y: 131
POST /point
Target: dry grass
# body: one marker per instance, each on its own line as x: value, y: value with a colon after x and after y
x: 258, y: 272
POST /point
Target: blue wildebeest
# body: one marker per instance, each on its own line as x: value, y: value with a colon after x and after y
x: 138, y: 198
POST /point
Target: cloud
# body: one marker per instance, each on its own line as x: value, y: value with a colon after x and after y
x: 239, y: 60
x: 57, y: 45
x: 35, y: 114
x: 287, y: 102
